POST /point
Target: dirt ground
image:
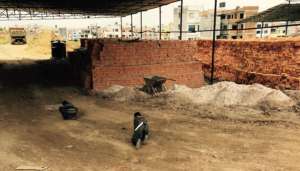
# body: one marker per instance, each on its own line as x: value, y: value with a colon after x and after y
x: 38, y: 47
x: 34, y: 134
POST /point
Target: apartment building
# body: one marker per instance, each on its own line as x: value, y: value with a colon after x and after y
x: 230, y: 26
x: 195, y: 21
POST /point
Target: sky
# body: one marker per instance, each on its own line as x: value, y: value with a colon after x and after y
x: 150, y: 18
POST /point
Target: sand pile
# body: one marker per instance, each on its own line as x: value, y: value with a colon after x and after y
x: 123, y: 94
x: 232, y: 94
x: 220, y: 94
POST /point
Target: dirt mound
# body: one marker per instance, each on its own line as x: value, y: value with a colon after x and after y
x: 232, y: 94
x: 123, y: 94
x: 221, y: 94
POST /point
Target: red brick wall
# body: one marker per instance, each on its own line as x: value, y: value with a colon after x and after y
x: 126, y: 63
x: 272, y: 63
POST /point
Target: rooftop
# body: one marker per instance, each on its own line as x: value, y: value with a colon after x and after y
x: 86, y: 7
x: 282, y: 12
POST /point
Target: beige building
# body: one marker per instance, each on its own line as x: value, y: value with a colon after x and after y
x: 230, y: 27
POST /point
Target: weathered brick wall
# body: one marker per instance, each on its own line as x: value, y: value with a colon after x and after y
x: 272, y: 63
x: 126, y: 63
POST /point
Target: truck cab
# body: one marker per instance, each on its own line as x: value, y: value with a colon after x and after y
x: 17, y: 36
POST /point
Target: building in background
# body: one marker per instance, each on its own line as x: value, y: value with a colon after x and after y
x: 231, y: 28
x: 194, y: 21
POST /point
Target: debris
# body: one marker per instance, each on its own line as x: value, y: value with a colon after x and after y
x: 155, y: 85
x: 69, y: 146
x: 68, y: 111
x: 31, y: 168
x: 52, y: 108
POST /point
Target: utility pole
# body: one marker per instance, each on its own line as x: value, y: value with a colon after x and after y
x: 214, y: 44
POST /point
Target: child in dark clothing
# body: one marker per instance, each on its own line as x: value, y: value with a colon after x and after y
x: 141, y: 130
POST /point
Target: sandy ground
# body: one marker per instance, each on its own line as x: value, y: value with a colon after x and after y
x: 100, y: 139
x: 38, y: 47
x: 181, y: 139
x: 20, y: 52
x: 33, y: 133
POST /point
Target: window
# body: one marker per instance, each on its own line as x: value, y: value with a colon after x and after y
x: 222, y: 4
x: 228, y: 16
x: 241, y: 15
x: 225, y: 27
x: 242, y: 26
x: 235, y: 16
x: 273, y: 30
x: 192, y: 28
x: 223, y: 16
x: 234, y: 27
x: 266, y: 25
x: 258, y: 32
x: 234, y: 37
x: 266, y: 31
x: 258, y: 26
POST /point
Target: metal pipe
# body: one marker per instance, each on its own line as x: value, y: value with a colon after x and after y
x: 181, y: 23
x: 262, y: 29
x: 141, y: 25
x: 214, y: 44
x: 131, y: 18
x: 121, y: 25
x: 288, y: 19
x: 159, y: 22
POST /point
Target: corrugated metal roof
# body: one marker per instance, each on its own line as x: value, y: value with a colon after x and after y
x: 281, y: 12
x: 87, y: 7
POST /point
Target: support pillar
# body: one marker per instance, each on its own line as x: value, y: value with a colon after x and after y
x: 121, y: 25
x: 131, y: 25
x: 141, y: 25
x: 287, y: 21
x: 181, y: 22
x: 214, y: 44
x: 159, y: 22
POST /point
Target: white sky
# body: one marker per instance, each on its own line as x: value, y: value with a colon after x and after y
x: 150, y: 18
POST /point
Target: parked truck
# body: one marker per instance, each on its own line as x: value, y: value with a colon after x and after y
x: 17, y: 36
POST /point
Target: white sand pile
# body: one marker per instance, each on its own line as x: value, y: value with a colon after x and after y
x: 232, y: 94
x: 123, y: 94
x: 220, y: 94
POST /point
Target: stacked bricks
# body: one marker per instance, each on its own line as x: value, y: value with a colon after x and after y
x: 272, y: 63
x: 127, y: 63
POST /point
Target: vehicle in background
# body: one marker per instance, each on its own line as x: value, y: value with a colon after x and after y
x: 17, y: 36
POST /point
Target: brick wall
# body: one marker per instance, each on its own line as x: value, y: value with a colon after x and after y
x: 127, y: 63
x: 272, y: 63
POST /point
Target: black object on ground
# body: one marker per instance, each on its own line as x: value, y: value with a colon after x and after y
x: 154, y: 85
x: 68, y: 111
x: 59, y: 50
x: 141, y: 130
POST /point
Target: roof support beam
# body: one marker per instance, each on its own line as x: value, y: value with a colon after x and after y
x: 181, y: 22
x: 121, y: 27
x: 213, y: 45
x: 159, y: 22
x: 141, y: 25
x: 131, y: 25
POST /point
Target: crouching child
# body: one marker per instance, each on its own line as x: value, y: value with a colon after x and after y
x: 141, y: 130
